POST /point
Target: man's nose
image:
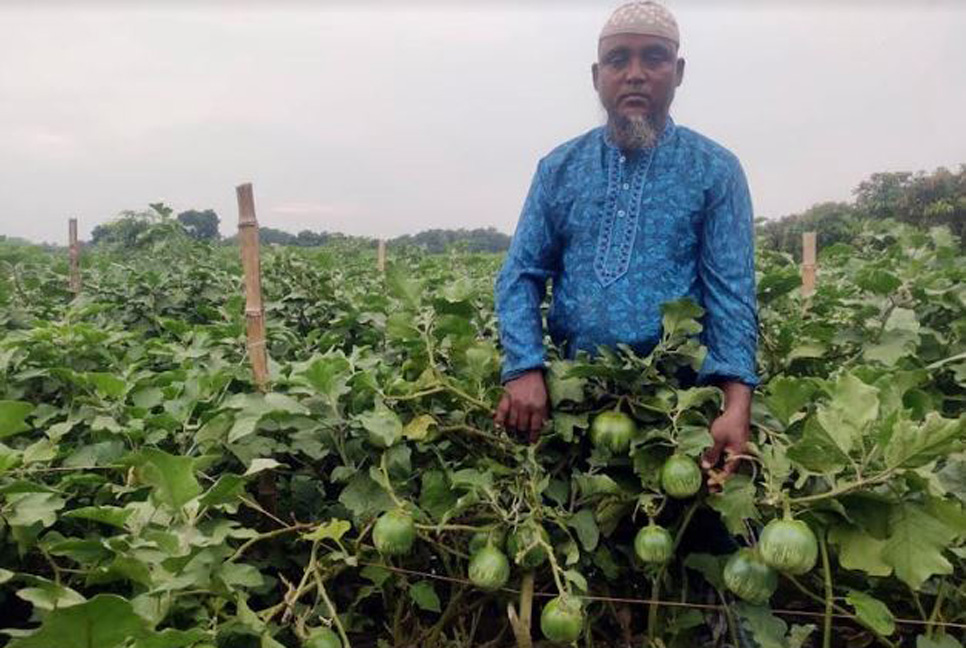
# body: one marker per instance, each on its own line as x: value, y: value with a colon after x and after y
x: 636, y: 72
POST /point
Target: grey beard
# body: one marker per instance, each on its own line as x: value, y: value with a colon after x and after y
x: 633, y: 133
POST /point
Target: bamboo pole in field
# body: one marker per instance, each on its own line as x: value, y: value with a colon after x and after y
x: 74, y: 255
x: 254, y: 309
x: 808, y: 263
x: 255, y: 319
x: 381, y: 256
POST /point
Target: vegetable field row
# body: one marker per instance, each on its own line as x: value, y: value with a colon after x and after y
x: 151, y: 498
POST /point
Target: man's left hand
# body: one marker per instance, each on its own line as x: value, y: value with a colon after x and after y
x: 730, y: 433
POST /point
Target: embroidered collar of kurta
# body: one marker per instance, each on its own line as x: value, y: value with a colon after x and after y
x: 618, y: 234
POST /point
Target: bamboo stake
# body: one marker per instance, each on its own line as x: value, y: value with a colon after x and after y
x: 255, y: 319
x: 254, y: 309
x: 381, y: 256
x: 74, y: 255
x: 809, y: 264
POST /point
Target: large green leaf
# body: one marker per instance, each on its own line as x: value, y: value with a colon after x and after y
x: 383, y: 426
x: 172, y: 477
x: 816, y: 450
x: 787, y: 396
x: 586, y: 527
x: 916, y: 544
x: 735, y: 503
x: 859, y: 550
x: 104, y: 621
x: 913, y: 445
x: 872, y: 612
x: 13, y: 415
x: 30, y: 508
x: 329, y: 376
x: 852, y: 409
x: 424, y: 595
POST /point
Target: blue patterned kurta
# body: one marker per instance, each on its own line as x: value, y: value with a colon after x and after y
x: 619, y: 234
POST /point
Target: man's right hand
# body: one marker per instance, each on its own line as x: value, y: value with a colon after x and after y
x: 524, y: 406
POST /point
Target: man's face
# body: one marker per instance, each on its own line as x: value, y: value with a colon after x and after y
x: 636, y: 75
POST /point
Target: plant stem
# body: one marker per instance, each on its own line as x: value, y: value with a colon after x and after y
x: 265, y: 536
x: 652, y: 608
x: 456, y: 391
x: 936, y: 609
x: 842, y: 490
x: 526, y: 599
x: 827, y: 573
x: 332, y: 611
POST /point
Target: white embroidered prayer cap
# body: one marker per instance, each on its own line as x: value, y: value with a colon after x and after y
x: 647, y: 18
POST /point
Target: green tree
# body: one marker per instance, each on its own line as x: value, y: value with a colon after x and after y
x: 200, y: 225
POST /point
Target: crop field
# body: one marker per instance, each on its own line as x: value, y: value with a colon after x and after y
x: 152, y: 497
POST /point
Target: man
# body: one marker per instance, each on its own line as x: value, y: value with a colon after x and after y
x: 624, y: 218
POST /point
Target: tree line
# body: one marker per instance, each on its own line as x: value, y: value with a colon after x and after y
x: 135, y: 228
x: 921, y: 199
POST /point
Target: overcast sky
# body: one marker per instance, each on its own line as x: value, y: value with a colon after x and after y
x: 378, y: 122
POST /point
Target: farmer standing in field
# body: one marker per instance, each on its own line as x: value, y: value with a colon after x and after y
x: 624, y: 218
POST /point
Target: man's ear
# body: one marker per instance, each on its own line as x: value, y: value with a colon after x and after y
x: 593, y: 76
x: 679, y: 73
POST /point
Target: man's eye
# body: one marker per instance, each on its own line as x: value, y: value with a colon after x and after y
x: 617, y: 61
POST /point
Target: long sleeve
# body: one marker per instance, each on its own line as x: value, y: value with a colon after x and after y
x: 726, y: 270
x: 522, y: 284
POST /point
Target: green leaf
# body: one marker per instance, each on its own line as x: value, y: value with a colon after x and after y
x: 681, y: 317
x: 806, y: 350
x: 878, y: 281
x: 585, y: 525
x: 872, y: 612
x: 911, y: 445
x: 735, y: 503
x: 696, y: 397
x: 261, y: 465
x: 940, y: 641
x: 564, y: 424
x: 107, y: 385
x: 6, y: 575
x: 424, y: 595
x: 172, y: 477
x: 766, y: 629
x: 915, y: 545
x: 12, y: 417
x: 147, y: 398
x: 40, y: 450
x: 859, y: 550
x: 383, y: 426
x: 334, y: 529
x: 171, y: 638
x: 403, y: 286
x: 105, y: 621
x: 816, y: 450
x: 709, y: 566
x: 436, y: 497
x: 575, y: 577
x: 788, y: 396
x: 563, y: 387
x: 31, y: 508
x: 50, y: 596
x: 226, y: 490
x: 853, y: 407
x: 418, y: 428
x: 329, y: 376
x: 111, y: 515
x: 364, y: 498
